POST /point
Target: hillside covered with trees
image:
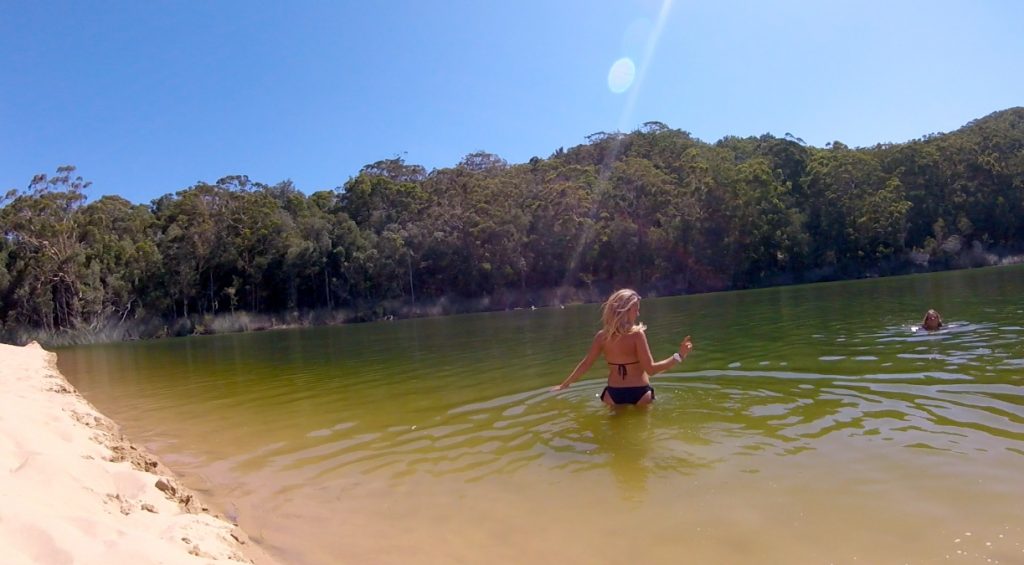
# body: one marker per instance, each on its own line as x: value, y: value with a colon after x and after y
x: 655, y: 209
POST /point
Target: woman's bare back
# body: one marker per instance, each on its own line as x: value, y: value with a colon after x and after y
x: 624, y: 364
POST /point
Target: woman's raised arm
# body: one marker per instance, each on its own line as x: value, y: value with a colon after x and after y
x: 643, y: 352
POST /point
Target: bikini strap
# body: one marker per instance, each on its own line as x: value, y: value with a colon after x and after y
x: 622, y: 368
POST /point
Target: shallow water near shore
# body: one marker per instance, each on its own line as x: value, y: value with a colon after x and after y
x: 812, y: 424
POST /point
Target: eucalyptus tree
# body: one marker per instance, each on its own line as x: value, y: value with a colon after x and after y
x: 299, y: 274
x: 6, y: 287
x: 558, y: 203
x: 769, y: 230
x: 254, y: 238
x: 386, y: 201
x: 119, y: 239
x: 345, y: 244
x: 383, y: 193
x: 632, y: 206
x: 459, y: 219
x: 48, y: 267
x: 191, y: 242
x: 858, y: 212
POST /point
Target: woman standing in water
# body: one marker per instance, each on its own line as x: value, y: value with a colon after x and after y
x: 623, y: 343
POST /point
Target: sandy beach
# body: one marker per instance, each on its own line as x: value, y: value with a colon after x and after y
x: 74, y: 490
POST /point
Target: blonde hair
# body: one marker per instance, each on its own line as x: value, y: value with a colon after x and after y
x: 614, y: 312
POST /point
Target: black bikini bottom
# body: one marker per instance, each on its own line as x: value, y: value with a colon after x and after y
x: 627, y: 394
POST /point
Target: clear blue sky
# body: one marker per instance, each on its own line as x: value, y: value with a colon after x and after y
x: 147, y: 98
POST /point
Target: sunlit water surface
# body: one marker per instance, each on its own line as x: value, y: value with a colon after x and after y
x: 812, y: 424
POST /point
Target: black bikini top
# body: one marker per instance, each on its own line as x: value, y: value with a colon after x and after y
x: 622, y: 367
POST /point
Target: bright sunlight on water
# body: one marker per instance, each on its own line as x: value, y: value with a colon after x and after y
x: 812, y: 424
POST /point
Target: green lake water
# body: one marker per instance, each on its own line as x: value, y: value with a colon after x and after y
x: 811, y: 424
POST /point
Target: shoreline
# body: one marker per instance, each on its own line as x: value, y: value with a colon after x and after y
x: 224, y: 323
x: 77, y: 490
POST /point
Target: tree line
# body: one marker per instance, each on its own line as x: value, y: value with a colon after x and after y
x: 655, y: 209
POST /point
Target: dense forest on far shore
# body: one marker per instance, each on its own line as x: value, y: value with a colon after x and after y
x: 654, y: 209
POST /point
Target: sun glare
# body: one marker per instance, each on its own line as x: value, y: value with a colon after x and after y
x: 621, y: 75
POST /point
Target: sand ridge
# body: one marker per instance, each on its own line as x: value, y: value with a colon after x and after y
x: 75, y: 490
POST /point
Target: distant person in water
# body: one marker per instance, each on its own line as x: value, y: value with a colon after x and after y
x: 623, y: 343
x: 932, y: 321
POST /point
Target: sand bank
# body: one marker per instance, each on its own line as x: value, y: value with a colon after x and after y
x: 74, y: 490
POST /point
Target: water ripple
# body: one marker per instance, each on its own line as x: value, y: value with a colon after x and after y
x: 742, y: 412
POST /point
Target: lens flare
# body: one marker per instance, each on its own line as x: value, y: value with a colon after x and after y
x: 621, y: 75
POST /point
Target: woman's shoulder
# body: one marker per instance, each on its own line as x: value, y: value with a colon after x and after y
x: 632, y: 336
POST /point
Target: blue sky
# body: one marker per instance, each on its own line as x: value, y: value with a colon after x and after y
x: 148, y: 98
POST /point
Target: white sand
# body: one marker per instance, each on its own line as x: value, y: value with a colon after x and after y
x: 73, y: 490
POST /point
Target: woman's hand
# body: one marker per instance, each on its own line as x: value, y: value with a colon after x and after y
x: 557, y: 388
x: 685, y: 347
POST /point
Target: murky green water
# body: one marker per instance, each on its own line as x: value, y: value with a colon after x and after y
x: 810, y: 425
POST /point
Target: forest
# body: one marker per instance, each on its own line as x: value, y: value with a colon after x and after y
x: 655, y: 209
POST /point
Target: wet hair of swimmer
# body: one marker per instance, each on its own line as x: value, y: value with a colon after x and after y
x: 932, y: 320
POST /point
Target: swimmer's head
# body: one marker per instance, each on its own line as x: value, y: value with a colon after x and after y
x: 932, y: 321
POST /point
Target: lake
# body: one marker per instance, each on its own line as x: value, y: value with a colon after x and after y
x: 811, y: 424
